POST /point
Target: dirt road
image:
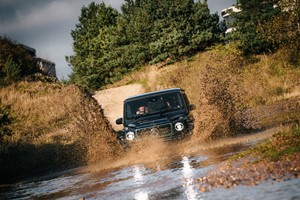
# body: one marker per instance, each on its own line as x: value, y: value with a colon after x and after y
x: 112, y: 99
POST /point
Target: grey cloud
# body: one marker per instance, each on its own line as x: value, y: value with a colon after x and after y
x: 45, y: 25
x: 10, y: 9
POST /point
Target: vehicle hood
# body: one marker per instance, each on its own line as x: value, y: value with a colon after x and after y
x: 151, y: 123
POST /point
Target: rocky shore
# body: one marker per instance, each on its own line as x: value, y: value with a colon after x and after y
x: 250, y: 171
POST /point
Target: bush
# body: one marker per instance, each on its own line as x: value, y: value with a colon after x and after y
x: 108, y: 44
x: 5, y: 121
x: 48, y: 126
x: 15, y: 62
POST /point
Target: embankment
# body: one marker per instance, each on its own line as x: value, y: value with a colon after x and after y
x: 52, y: 127
x: 233, y: 94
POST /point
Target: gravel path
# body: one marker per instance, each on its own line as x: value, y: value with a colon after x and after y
x: 111, y: 100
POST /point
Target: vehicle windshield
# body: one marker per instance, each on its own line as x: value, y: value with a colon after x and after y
x: 154, y: 104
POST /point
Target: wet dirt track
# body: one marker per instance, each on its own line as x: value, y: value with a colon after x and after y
x: 171, y: 177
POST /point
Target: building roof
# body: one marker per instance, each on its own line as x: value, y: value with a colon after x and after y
x: 227, y: 11
x: 29, y: 49
x: 44, y: 60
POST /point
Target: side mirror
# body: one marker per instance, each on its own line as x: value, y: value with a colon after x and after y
x: 119, y: 121
x: 192, y: 107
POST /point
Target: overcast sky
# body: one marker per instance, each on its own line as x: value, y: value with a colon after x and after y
x: 45, y: 25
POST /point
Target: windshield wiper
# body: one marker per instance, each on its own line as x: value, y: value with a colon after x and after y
x: 168, y: 109
x: 164, y: 111
x: 141, y: 115
x: 146, y: 114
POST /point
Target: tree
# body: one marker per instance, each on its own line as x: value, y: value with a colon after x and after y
x: 206, y: 27
x: 182, y: 28
x: 108, y: 45
x: 15, y: 61
x: 283, y: 30
x: 89, y: 43
x: 254, y: 13
x: 12, y: 71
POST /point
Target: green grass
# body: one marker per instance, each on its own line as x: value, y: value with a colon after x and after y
x: 281, y: 144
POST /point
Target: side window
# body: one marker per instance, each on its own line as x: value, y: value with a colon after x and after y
x: 187, y: 103
x: 129, y: 109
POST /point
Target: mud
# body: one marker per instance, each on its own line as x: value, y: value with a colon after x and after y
x: 218, y: 123
x: 154, y: 151
x: 220, y: 117
x: 278, y: 113
x: 245, y: 172
x: 170, y: 177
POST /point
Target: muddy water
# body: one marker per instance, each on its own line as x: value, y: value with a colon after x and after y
x: 167, y: 178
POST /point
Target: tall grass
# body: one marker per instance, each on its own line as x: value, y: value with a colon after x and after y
x: 281, y: 144
x: 222, y: 83
x: 53, y: 127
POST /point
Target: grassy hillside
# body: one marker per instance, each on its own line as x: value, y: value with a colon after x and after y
x: 233, y: 94
x: 51, y: 126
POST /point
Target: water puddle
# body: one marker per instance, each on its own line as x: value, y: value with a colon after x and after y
x: 169, y: 178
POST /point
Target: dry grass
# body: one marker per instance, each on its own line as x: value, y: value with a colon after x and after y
x: 38, y: 107
x: 269, y: 80
x: 54, y: 126
x: 61, y: 126
x: 222, y: 83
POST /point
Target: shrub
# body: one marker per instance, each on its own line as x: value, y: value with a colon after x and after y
x: 5, y: 121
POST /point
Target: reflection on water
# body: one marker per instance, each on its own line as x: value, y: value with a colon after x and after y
x: 141, y: 194
x: 184, y: 174
x: 187, y: 171
x: 171, y: 178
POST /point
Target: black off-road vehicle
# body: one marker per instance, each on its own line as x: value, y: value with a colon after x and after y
x: 165, y: 113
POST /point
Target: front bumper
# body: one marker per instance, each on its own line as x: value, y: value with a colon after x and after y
x: 164, y: 131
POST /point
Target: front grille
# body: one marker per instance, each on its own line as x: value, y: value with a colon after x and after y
x: 163, y: 131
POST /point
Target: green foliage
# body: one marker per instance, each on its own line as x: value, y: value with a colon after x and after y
x: 278, y: 91
x: 108, y: 44
x: 15, y: 62
x: 283, y: 30
x: 253, y: 14
x: 12, y: 71
x: 281, y: 144
x: 93, y: 36
x: 5, y: 121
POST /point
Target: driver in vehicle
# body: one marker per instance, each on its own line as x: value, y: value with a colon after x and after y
x: 142, y: 110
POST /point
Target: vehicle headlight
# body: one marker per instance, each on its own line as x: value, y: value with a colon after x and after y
x: 130, y: 135
x: 179, y: 126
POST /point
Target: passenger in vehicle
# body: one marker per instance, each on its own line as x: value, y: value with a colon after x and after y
x: 171, y: 104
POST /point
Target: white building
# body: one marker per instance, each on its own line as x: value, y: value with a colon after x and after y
x: 229, y: 19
